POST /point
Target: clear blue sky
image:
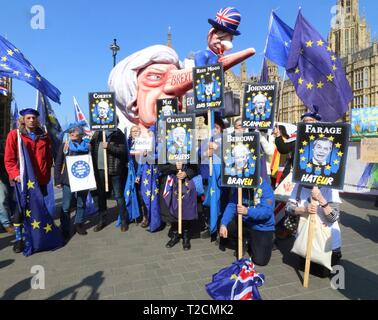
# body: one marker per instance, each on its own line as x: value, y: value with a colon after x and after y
x: 73, y: 51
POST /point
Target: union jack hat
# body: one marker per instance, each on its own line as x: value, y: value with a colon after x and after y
x: 228, y: 20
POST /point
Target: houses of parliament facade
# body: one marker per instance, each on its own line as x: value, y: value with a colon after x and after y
x: 350, y: 39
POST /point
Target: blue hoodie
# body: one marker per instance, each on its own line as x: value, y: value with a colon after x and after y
x: 260, y: 216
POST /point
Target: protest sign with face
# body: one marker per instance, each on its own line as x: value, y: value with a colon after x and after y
x: 259, y: 105
x: 179, y: 143
x: 208, y: 86
x: 320, y: 154
x: 241, y: 160
x: 102, y: 114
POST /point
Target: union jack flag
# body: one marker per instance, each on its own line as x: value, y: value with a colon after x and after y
x: 79, y: 116
x: 228, y: 16
x: 168, y: 186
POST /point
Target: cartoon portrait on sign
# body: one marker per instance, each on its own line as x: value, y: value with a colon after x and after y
x: 240, y: 165
x: 179, y: 134
x: 208, y: 87
x: 259, y: 105
x: 320, y: 155
x: 102, y: 111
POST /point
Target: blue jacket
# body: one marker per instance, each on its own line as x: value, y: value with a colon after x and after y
x: 205, y: 57
x: 260, y: 216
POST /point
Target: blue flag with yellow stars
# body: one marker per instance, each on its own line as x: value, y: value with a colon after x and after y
x: 14, y: 65
x: 41, y: 234
x: 279, y: 41
x: 317, y: 73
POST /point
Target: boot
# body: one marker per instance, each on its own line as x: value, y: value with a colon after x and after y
x: 18, y: 246
x: 124, y: 226
x: 101, y: 224
x: 144, y: 223
x: 186, y: 240
x: 174, y: 240
x: 80, y: 230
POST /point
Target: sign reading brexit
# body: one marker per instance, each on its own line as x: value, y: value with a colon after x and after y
x: 80, y: 172
x: 208, y: 86
x: 102, y: 112
x: 320, y: 154
x: 241, y: 160
x: 259, y: 105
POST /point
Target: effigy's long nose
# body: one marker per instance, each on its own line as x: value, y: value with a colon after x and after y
x: 181, y: 81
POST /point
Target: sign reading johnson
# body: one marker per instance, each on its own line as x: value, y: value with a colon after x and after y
x: 208, y: 87
x: 180, y: 142
x: 241, y: 160
x: 259, y: 105
x: 102, y: 112
x: 320, y: 154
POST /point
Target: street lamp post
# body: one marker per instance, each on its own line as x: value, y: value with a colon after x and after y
x: 115, y: 48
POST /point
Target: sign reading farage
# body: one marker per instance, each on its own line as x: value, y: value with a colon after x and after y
x: 320, y: 154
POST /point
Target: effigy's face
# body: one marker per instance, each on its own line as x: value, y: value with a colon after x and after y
x: 151, y: 82
x: 217, y: 40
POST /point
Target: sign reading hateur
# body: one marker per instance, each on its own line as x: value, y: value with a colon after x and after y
x: 102, y: 114
x: 208, y: 83
x: 179, y: 142
x: 259, y: 105
x: 320, y: 154
x: 241, y: 160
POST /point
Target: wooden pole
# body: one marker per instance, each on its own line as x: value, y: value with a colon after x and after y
x: 105, y: 163
x: 180, y: 205
x: 240, y: 225
x: 209, y: 140
x: 309, y: 247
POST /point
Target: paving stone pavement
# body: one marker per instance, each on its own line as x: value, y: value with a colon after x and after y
x: 136, y: 265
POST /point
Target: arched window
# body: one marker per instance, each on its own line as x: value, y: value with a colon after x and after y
x: 366, y: 77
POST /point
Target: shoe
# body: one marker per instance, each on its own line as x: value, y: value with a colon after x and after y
x: 186, y: 240
x: 144, y: 223
x: 174, y: 240
x: 9, y: 229
x: 214, y: 237
x: 170, y: 232
x: 124, y: 226
x: 65, y: 235
x: 101, y: 225
x: 80, y: 230
x: 18, y: 246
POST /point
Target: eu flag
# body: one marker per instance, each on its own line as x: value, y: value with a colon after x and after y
x: 49, y: 121
x: 41, y: 233
x: 279, y: 41
x: 317, y: 73
x: 13, y: 64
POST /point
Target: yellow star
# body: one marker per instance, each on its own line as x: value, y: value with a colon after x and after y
x: 48, y: 228
x: 309, y: 44
x: 38, y: 78
x: 338, y: 145
x: 152, y: 198
x: 303, y: 159
x: 156, y: 190
x: 309, y: 86
x: 340, y: 154
x: 145, y: 182
x: 318, y: 168
x: 252, y: 165
x: 253, y: 150
x: 4, y: 58
x: 301, y: 151
x: 254, y: 158
x: 320, y: 43
x: 148, y: 172
x: 330, y: 77
x: 35, y: 224
x: 27, y: 213
x: 211, y: 192
x: 16, y: 73
x: 16, y: 50
x: 148, y: 193
x: 297, y: 70
x: 10, y: 52
x: 334, y: 68
x: 30, y: 184
x: 312, y: 137
x: 28, y: 75
x: 320, y: 85
x: 333, y: 58
x: 328, y: 167
x: 331, y: 139
x: 309, y: 165
x: 128, y: 193
x: 321, y: 135
x: 305, y: 143
x: 336, y: 162
x: 300, y: 80
x: 329, y: 49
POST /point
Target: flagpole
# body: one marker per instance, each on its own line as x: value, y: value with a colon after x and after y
x: 105, y: 163
x: 281, y: 97
x: 179, y: 206
x: 240, y: 225
x: 209, y: 140
x: 309, y: 247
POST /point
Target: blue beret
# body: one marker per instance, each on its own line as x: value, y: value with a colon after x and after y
x: 312, y: 114
x: 26, y: 111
